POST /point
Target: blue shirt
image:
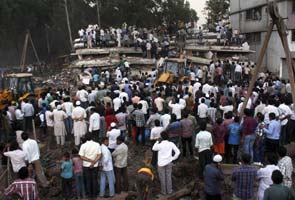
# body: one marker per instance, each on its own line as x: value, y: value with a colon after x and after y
x: 273, y: 131
x: 67, y: 169
x: 213, y: 177
x: 234, y: 133
x: 95, y: 77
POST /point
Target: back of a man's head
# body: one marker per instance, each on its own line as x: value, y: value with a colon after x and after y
x: 282, y: 151
x: 25, y: 136
x: 23, y: 173
x: 246, y: 158
x: 88, y: 137
x: 277, y: 177
x: 164, y: 135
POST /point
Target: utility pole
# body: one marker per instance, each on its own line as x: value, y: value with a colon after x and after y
x: 68, y: 23
x: 98, y: 12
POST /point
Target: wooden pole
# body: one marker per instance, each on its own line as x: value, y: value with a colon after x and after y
x: 34, y: 129
x: 258, y: 66
x: 24, y: 53
x: 283, y: 36
x: 68, y: 23
x: 98, y: 13
x: 34, y: 49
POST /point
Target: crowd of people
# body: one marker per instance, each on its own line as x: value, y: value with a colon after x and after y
x: 200, y: 118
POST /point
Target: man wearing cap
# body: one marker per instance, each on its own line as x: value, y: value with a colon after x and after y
x: 113, y: 134
x: 80, y: 128
x: 213, y: 178
x: 59, y: 117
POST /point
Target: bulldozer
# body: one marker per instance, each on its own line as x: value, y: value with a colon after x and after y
x: 175, y: 69
x: 16, y: 86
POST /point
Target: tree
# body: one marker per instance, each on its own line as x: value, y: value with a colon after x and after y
x: 218, y: 10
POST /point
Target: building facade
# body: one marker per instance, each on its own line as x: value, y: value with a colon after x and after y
x: 251, y: 18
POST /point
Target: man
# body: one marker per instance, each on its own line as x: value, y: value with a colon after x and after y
x: 272, y: 133
x: 264, y: 175
x: 59, y: 117
x: 80, y: 128
x: 28, y: 111
x: 202, y: 112
x: 24, y: 187
x: 286, y: 166
x: 165, y: 119
x: 203, y: 145
x: 244, y: 178
x: 144, y: 183
x: 159, y: 102
x: 68, y: 107
x: 90, y: 153
x: 285, y: 113
x: 238, y: 72
x: 31, y: 148
x: 120, y: 156
x: 248, y: 132
x: 139, y: 118
x: 186, y: 134
x: 112, y: 135
x: 107, y: 169
x: 176, y: 108
x: 167, y: 152
x: 117, y: 102
x: 94, y: 124
x: 82, y: 95
x: 277, y: 190
x: 213, y: 178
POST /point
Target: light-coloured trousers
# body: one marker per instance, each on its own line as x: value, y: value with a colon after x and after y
x: 165, y: 173
x: 60, y: 140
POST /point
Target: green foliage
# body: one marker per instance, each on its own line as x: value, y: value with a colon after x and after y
x: 218, y: 10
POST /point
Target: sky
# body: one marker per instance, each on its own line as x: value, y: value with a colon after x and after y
x: 199, y: 5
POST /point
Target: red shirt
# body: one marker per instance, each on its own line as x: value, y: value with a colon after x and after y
x: 218, y: 132
x: 109, y: 119
x: 26, y: 189
x: 249, y: 126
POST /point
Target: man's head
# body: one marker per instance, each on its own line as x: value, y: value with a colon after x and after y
x: 282, y: 151
x: 25, y: 136
x: 23, y: 173
x: 164, y: 135
x: 157, y: 122
x: 277, y: 177
x: 272, y: 159
x: 120, y: 140
x: 272, y: 116
x: 139, y: 106
x: 88, y: 137
x: 203, y: 126
x: 105, y: 141
x: 246, y: 158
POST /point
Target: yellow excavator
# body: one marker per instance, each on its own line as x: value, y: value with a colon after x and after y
x: 18, y: 86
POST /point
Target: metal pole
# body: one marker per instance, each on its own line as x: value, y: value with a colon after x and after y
x: 98, y: 12
x: 259, y: 64
x: 69, y: 25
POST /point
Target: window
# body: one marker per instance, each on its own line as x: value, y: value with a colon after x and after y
x: 253, y: 37
x: 254, y: 14
x: 293, y: 35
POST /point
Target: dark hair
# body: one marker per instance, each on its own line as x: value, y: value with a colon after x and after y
x: 247, y: 112
x: 103, y: 139
x: 75, y: 151
x: 139, y: 106
x: 14, y: 145
x: 203, y: 126
x: 272, y: 159
x: 237, y: 119
x: 67, y: 155
x: 282, y: 151
x: 277, y: 177
x: 246, y: 158
x: 88, y: 136
x: 121, y: 139
x: 164, y: 135
x: 23, y: 173
x: 219, y: 121
x: 157, y: 122
x: 25, y: 136
x: 272, y: 116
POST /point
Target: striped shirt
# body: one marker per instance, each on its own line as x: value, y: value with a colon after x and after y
x: 26, y: 189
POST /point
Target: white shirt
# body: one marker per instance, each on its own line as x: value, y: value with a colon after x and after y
x: 202, y: 110
x: 145, y: 106
x: 117, y: 103
x: 226, y: 109
x: 203, y: 141
x: 112, y: 135
x: 68, y: 107
x: 206, y: 88
x: 122, y: 95
x: 49, y: 118
x: 159, y: 103
x: 120, y: 156
x: 176, y: 109
x: 94, y: 122
x: 238, y: 68
x: 165, y: 120
x: 82, y: 95
x: 165, y: 149
x: 19, y: 115
x: 28, y: 110
x: 17, y: 158
x: 31, y: 148
x: 267, y: 110
x: 264, y: 175
x: 284, y: 111
x: 156, y: 132
x: 106, y: 160
x: 90, y: 150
